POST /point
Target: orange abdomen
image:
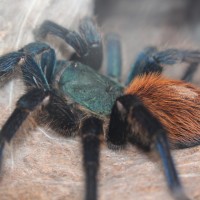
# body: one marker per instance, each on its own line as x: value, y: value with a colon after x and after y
x: 175, y: 103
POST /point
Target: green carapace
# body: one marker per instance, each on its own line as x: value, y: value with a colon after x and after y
x: 89, y: 88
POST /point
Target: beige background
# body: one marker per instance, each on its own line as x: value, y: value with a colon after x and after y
x: 42, y: 165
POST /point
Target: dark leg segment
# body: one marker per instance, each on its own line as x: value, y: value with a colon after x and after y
x: 145, y: 63
x: 188, y: 76
x: 91, y: 35
x: 150, y: 60
x: 33, y: 74
x: 35, y: 48
x: 37, y: 75
x: 162, y: 146
x: 88, y: 46
x: 118, y: 127
x: 89, y: 32
x: 145, y: 130
x: 91, y: 131
x: 113, y: 54
x: 174, y: 56
x: 70, y: 37
x: 8, y: 61
x: 48, y: 64
x: 47, y: 60
x: 60, y: 115
x: 26, y: 104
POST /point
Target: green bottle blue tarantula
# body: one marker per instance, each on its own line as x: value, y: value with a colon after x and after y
x: 72, y: 97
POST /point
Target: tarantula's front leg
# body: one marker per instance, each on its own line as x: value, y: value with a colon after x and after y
x: 39, y: 75
x: 131, y: 120
x: 87, y: 44
x: 47, y: 63
x: 25, y: 105
x: 65, y: 118
x: 91, y: 131
x: 7, y: 65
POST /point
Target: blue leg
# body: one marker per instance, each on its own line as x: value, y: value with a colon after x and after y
x: 162, y: 146
x: 33, y: 76
x: 48, y: 64
x: 70, y: 37
x: 144, y: 63
x: 25, y: 105
x: 7, y: 65
x: 37, y: 75
x: 91, y: 35
x: 113, y: 54
x: 48, y: 58
x: 87, y: 44
x: 150, y: 60
x: 89, y: 32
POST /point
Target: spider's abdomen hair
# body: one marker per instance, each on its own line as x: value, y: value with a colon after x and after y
x: 175, y: 103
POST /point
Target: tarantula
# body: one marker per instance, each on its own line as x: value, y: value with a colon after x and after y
x: 70, y: 96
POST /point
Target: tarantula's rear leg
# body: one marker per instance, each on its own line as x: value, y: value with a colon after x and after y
x: 25, y: 105
x: 87, y: 44
x: 131, y: 120
x: 152, y: 61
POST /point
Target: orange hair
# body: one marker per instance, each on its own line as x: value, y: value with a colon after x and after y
x: 175, y: 103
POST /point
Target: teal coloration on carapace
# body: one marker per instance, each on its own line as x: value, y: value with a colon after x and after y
x: 89, y: 88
